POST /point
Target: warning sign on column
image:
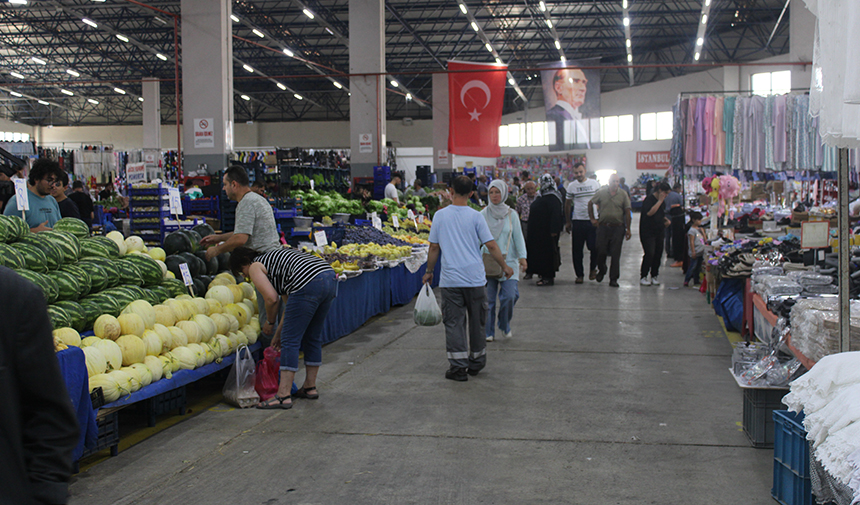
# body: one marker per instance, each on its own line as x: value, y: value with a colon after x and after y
x: 204, y: 133
x: 365, y: 143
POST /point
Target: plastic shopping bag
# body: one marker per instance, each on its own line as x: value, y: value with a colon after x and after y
x: 268, y: 374
x: 239, y: 388
x: 427, y: 312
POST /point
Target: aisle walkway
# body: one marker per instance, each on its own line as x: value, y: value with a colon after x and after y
x: 603, y: 396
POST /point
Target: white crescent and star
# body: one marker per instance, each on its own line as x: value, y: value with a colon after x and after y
x: 474, y: 115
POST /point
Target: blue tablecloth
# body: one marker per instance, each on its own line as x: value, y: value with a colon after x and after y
x: 73, y: 366
x: 358, y: 299
x: 405, y: 285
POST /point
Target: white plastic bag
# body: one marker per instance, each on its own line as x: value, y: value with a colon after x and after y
x: 239, y: 388
x: 427, y: 312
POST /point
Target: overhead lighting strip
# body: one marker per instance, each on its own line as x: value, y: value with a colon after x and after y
x: 628, y: 38
x: 699, y: 44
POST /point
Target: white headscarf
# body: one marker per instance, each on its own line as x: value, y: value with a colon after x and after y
x: 497, y: 214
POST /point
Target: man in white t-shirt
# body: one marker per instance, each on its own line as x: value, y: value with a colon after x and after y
x: 579, y: 192
x: 391, y: 188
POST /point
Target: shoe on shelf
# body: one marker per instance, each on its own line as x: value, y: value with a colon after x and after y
x: 677, y: 264
x: 655, y: 280
x: 613, y: 284
x: 579, y: 280
x: 644, y: 281
x: 592, y: 275
x: 509, y: 334
x: 457, y: 374
x: 490, y: 338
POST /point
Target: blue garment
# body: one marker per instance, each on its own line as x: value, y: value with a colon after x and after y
x: 42, y: 208
x: 515, y: 249
x: 508, y: 293
x: 673, y: 198
x: 304, y: 315
x: 460, y: 232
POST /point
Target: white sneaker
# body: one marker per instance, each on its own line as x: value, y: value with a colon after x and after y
x: 644, y: 281
x: 655, y: 281
x: 490, y: 338
x: 509, y: 334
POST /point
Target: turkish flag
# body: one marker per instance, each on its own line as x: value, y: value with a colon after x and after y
x: 475, y: 101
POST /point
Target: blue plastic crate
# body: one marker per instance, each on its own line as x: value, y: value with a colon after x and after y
x: 789, y: 442
x: 790, y: 488
x: 363, y: 222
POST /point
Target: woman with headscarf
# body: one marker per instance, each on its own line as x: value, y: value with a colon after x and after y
x: 546, y: 220
x: 505, y: 226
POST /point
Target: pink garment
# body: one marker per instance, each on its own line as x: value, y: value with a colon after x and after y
x: 690, y: 134
x: 780, y: 133
x: 719, y: 133
x: 710, y: 137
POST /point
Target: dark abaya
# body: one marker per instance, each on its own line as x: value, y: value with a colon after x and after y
x: 545, y: 219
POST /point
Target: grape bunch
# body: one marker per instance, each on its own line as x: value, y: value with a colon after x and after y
x: 368, y: 234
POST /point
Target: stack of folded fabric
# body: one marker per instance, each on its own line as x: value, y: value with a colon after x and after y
x: 815, y: 327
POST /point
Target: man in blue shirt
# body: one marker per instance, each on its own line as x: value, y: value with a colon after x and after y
x: 44, y: 211
x: 457, y: 233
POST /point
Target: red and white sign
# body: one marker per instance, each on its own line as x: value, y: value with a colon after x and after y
x: 475, y: 108
x: 365, y: 143
x: 652, y: 160
x: 135, y: 172
x: 204, y: 133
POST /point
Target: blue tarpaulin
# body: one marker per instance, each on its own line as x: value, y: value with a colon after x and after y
x: 729, y: 303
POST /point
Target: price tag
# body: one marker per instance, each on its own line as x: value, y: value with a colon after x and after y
x: 373, y: 216
x: 21, y: 196
x: 420, y: 219
x: 320, y: 238
x: 186, y: 275
x: 396, y: 221
x: 377, y: 223
x: 175, y: 201
x: 410, y: 214
x: 312, y: 184
x: 415, y: 223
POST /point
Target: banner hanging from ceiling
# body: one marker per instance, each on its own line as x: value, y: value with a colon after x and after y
x: 572, y: 100
x: 475, y: 101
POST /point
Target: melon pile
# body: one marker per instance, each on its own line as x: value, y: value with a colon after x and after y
x: 146, y: 342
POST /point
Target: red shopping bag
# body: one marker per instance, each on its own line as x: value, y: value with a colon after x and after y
x: 268, y: 374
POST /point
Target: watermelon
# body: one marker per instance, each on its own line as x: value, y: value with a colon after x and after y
x: 195, y: 265
x: 94, y: 249
x: 223, y: 262
x: 107, y: 303
x: 68, y: 288
x: 82, y: 276
x: 149, y: 269
x: 53, y: 253
x: 74, y: 226
x: 122, y: 296
x: 76, y: 313
x: 13, y: 228
x: 34, y: 258
x: 46, y: 285
x: 204, y: 230
x: 11, y: 257
x: 59, y: 317
x: 162, y: 292
x: 135, y: 292
x: 173, y: 262
x: 111, y: 271
x: 199, y: 287
x: 128, y: 272
x: 68, y: 244
x: 97, y: 275
x: 176, y: 242
x: 113, y: 248
x: 92, y: 310
x: 195, y: 239
x: 176, y: 287
x: 151, y: 296
x: 211, y: 264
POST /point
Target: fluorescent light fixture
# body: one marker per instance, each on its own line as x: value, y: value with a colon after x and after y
x: 161, y: 56
x: 549, y: 23
x: 298, y: 96
x: 337, y: 85
x: 234, y: 18
x: 623, y: 4
x: 489, y: 47
x: 159, y: 20
x: 16, y: 74
x: 122, y: 37
x: 629, y: 58
x: 474, y: 26
x: 281, y: 86
x: 704, y: 18
x: 40, y: 61
x: 408, y: 96
x: 394, y: 84
x: 73, y: 72
x: 628, y: 43
x: 15, y: 93
x: 18, y: 2
x: 258, y: 33
x: 119, y: 90
x: 328, y: 30
x: 66, y: 92
x: 626, y: 21
x: 700, y: 41
x: 696, y: 57
x: 557, y: 44
x: 498, y: 61
x: 512, y: 81
x: 43, y: 102
x: 308, y: 13
x: 245, y: 97
x: 707, y: 3
x: 94, y: 102
x: 248, y: 69
x: 563, y: 59
x: 463, y: 8
x: 542, y: 6
x: 90, y: 22
x: 140, y: 99
x: 288, y: 52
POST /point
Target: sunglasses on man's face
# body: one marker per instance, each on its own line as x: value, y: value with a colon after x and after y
x: 53, y: 182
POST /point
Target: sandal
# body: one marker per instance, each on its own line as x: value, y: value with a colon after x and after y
x: 270, y: 405
x: 303, y: 393
x: 545, y: 282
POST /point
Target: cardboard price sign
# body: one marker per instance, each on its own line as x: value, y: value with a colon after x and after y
x: 396, y: 221
x: 21, y: 197
x: 175, y: 201
x: 186, y: 275
x: 320, y: 238
x: 420, y: 219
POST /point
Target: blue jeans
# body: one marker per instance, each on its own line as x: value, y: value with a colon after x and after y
x: 304, y: 315
x: 508, y: 293
x: 693, y: 270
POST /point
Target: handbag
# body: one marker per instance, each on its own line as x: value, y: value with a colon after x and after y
x: 492, y: 269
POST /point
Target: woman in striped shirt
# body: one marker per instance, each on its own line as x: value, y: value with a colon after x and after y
x: 309, y: 285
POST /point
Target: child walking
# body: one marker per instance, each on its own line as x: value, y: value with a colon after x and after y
x: 696, y: 248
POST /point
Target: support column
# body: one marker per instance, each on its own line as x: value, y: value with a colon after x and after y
x: 442, y: 161
x: 207, y: 84
x: 367, y: 100
x: 151, y: 126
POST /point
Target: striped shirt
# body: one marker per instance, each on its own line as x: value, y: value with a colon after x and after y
x: 290, y: 270
x: 580, y: 193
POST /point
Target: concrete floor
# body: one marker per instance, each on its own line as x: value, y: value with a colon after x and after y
x: 603, y: 396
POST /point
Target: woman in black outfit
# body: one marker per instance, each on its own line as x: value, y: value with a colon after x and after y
x: 546, y: 220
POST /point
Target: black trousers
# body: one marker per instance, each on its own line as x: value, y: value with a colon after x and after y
x: 583, y: 234
x: 609, y: 242
x: 652, y: 244
x: 679, y: 245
